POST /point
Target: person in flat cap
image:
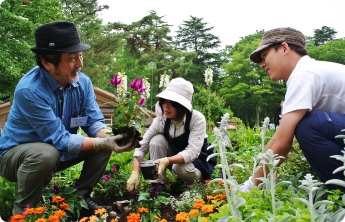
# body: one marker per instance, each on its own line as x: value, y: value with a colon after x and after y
x: 314, y: 104
x: 50, y: 103
x: 176, y: 139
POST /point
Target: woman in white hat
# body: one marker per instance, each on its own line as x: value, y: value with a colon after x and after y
x: 176, y: 139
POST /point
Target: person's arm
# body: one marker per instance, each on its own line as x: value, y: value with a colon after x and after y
x: 281, y: 141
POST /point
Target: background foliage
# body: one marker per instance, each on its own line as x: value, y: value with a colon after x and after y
x: 147, y: 49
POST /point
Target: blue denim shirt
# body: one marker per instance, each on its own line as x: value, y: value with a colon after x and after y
x: 42, y: 110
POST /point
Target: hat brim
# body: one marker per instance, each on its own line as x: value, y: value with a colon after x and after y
x: 73, y: 48
x: 256, y: 55
x: 173, y: 96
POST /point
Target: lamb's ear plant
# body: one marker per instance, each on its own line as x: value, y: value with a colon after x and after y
x: 271, y: 160
x: 342, y: 168
x: 220, y: 144
x: 264, y: 129
x: 311, y: 186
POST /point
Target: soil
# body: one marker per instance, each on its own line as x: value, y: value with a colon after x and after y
x: 130, y: 132
x: 122, y: 211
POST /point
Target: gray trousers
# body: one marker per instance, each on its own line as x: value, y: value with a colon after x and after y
x: 159, y: 148
x: 33, y: 165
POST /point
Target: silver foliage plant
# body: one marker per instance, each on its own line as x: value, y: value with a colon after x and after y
x: 221, y: 145
x: 317, y: 208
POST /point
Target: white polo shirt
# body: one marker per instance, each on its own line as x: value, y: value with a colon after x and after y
x: 316, y: 85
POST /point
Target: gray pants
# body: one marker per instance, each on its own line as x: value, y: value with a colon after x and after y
x: 159, y: 148
x: 33, y: 165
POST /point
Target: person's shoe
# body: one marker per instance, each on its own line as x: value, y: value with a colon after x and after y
x: 92, y: 206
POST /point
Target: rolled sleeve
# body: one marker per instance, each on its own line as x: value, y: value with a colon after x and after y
x: 75, y: 143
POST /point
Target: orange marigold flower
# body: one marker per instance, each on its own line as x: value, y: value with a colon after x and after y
x: 29, y: 211
x: 209, y: 197
x: 54, y: 218
x: 60, y: 213
x: 133, y: 217
x: 164, y: 220
x: 204, y: 219
x: 83, y: 219
x: 220, y: 196
x: 207, y: 208
x: 17, y: 218
x: 198, y: 203
x: 183, y: 217
x: 64, y: 206
x: 40, y: 210
x: 142, y: 210
x: 100, y: 211
x: 114, y: 220
x: 57, y: 199
x: 41, y: 220
x: 194, y: 212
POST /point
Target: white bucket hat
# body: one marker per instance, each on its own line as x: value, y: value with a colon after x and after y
x: 179, y: 90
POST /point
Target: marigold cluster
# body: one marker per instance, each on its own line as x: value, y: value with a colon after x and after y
x: 57, y: 215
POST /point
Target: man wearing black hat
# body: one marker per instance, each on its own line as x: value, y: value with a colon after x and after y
x: 50, y: 103
x: 314, y: 105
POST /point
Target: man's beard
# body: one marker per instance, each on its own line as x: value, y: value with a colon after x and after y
x: 76, y: 78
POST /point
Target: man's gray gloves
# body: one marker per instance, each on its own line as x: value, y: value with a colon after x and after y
x: 110, y: 143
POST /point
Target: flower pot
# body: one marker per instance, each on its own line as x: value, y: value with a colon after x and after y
x: 149, y: 170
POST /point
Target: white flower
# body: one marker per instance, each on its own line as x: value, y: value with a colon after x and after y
x: 147, y: 86
x: 122, y: 87
x: 164, y: 80
x: 209, y: 76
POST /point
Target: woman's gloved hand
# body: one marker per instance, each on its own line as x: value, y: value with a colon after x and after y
x: 162, y: 164
x: 133, y: 181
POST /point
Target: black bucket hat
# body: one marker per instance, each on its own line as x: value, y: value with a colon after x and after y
x: 59, y: 36
x: 279, y: 35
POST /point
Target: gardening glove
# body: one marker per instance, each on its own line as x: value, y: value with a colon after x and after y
x: 110, y: 143
x: 133, y: 181
x: 162, y: 164
x: 246, y: 186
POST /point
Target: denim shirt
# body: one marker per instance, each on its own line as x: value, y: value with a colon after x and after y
x: 42, y: 110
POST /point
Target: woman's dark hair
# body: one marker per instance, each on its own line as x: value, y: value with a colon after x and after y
x: 54, y: 58
x: 180, y: 110
x: 299, y: 50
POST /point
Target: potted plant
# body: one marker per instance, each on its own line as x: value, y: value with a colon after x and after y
x: 129, y: 110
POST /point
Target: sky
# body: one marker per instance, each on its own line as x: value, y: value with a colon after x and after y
x: 233, y: 19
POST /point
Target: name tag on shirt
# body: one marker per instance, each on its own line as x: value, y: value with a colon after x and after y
x: 78, y: 121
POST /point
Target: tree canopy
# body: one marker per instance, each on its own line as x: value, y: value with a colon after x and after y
x: 147, y: 49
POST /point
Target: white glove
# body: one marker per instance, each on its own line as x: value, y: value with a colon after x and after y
x: 246, y: 186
